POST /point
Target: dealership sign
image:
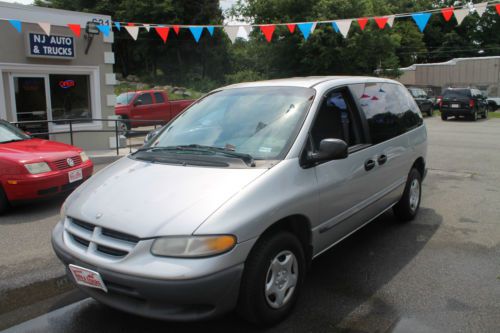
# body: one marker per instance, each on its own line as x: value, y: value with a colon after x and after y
x: 43, y: 46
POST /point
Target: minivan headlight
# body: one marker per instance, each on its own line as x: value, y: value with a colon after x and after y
x: 192, y: 246
x: 36, y: 168
x: 84, y: 157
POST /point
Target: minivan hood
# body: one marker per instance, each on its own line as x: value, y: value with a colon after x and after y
x: 149, y: 200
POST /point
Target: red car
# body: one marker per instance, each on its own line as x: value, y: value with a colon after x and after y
x: 32, y: 169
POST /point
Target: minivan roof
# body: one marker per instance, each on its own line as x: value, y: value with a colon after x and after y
x: 309, y: 81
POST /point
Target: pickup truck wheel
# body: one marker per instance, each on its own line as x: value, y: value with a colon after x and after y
x: 407, y: 207
x: 123, y: 127
x: 4, y: 203
x: 273, y: 275
x: 474, y: 116
x: 444, y: 117
x: 485, y: 114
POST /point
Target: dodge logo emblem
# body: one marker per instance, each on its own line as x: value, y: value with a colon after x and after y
x: 70, y: 162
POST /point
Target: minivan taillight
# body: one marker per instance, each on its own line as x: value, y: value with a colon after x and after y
x: 471, y: 103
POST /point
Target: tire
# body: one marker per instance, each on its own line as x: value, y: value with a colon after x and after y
x: 124, y: 126
x: 4, y: 202
x: 444, y: 117
x: 429, y: 113
x: 474, y: 117
x: 485, y: 114
x: 257, y: 302
x: 407, y: 207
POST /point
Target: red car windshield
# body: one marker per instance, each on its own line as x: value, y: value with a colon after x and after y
x: 9, y: 133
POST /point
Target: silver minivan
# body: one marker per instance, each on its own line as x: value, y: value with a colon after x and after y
x: 226, y: 207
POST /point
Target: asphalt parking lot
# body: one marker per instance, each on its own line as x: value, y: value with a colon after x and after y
x: 440, y: 273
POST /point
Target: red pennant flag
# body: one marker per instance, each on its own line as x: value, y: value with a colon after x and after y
x: 365, y: 96
x: 375, y: 98
x: 163, y: 33
x: 362, y: 22
x: 131, y: 24
x: 381, y: 21
x: 76, y: 29
x: 498, y: 8
x: 176, y: 29
x: 268, y: 31
x: 291, y: 28
x: 447, y: 13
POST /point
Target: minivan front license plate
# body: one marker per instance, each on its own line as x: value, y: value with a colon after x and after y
x: 87, y: 277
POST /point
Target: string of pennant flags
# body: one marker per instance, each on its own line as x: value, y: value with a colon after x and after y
x: 341, y: 26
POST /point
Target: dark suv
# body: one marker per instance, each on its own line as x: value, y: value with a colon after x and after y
x: 463, y: 102
x: 424, y: 103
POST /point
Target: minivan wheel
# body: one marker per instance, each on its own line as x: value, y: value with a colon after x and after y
x: 4, y: 203
x: 444, y: 117
x: 474, y: 116
x: 407, y: 207
x: 485, y: 114
x: 273, y: 275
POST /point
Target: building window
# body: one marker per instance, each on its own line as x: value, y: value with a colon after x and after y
x: 70, y: 97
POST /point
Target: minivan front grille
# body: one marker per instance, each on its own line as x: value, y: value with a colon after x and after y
x: 88, y: 237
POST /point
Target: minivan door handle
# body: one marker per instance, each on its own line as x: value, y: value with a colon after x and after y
x: 382, y: 159
x: 370, y: 164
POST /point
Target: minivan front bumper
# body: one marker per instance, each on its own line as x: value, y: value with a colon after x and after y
x: 177, y: 300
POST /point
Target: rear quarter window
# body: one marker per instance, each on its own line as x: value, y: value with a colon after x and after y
x: 389, y: 108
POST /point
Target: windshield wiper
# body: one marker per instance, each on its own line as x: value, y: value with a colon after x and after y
x: 247, y: 158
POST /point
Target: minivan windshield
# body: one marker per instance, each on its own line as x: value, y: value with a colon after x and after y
x: 125, y: 98
x: 9, y: 133
x: 457, y: 93
x: 260, y: 122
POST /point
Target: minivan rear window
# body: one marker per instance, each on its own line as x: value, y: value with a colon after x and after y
x: 457, y: 93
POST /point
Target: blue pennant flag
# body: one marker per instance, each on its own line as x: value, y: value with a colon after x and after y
x: 335, y: 27
x: 210, y: 30
x: 16, y: 24
x: 421, y: 20
x: 104, y: 29
x: 196, y: 31
x: 118, y: 26
x: 381, y: 90
x: 305, y: 28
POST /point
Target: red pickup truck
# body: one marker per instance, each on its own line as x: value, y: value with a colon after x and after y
x: 147, y: 107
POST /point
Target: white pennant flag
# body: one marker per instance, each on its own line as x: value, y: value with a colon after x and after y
x: 460, y: 14
x: 344, y: 26
x: 133, y: 31
x: 313, y: 27
x: 390, y: 20
x: 232, y: 32
x: 45, y: 27
x: 244, y: 31
x: 147, y: 27
x: 481, y: 8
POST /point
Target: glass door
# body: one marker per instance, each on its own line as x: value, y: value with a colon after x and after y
x: 31, y: 102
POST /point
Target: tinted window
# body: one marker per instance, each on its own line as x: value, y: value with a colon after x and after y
x: 335, y: 120
x: 146, y: 99
x: 389, y: 109
x: 457, y: 93
x: 159, y: 97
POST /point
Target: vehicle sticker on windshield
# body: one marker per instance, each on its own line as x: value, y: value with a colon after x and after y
x: 265, y: 149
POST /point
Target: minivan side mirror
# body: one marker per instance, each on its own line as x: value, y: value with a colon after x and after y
x: 138, y: 102
x: 329, y: 149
